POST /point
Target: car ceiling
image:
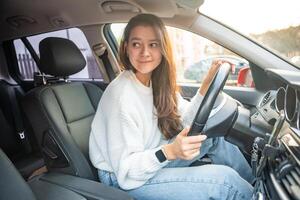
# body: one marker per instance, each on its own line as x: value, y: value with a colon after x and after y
x: 22, y: 18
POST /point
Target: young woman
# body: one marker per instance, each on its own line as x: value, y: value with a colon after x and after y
x: 137, y: 139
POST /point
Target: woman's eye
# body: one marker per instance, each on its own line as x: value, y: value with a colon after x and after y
x: 154, y: 45
x: 136, y: 44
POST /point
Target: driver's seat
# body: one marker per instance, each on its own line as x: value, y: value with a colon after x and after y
x: 61, y: 112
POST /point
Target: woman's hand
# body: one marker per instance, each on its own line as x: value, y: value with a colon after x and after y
x: 184, y: 147
x: 211, y: 73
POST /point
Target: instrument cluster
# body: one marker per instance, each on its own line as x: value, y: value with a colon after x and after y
x: 288, y: 99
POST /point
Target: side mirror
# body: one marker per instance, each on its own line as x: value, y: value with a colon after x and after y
x: 245, y: 78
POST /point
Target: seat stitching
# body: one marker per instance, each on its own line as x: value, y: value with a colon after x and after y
x: 81, y: 118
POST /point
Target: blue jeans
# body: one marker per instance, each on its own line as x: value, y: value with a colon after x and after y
x: 229, y: 177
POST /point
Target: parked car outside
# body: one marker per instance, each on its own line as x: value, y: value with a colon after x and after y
x: 198, y: 70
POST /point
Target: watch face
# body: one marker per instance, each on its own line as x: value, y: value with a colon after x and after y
x: 160, y: 156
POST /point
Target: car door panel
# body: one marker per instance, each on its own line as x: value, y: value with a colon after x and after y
x: 247, y: 96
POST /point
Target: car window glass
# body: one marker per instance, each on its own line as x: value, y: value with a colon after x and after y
x: 274, y: 24
x: 194, y: 55
x: 27, y: 65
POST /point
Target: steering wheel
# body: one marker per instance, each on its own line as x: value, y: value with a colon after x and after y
x: 209, y: 99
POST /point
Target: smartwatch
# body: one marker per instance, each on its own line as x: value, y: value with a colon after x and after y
x: 160, y: 156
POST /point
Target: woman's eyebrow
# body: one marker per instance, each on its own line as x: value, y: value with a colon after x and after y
x: 139, y: 39
x: 154, y: 40
x: 135, y: 38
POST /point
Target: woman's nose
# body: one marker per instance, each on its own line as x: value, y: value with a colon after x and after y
x: 145, y: 51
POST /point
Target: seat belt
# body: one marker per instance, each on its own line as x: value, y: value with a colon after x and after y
x: 32, y: 52
x: 18, y: 121
x: 101, y: 51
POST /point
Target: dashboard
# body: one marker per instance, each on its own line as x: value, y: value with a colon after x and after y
x: 279, y: 156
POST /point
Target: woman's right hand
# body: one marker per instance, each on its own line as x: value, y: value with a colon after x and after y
x: 184, y: 147
x: 214, y: 68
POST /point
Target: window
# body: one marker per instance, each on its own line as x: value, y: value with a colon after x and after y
x: 274, y: 24
x: 194, y: 55
x: 27, y: 65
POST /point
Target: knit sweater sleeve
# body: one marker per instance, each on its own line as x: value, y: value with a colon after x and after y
x: 188, y: 109
x: 131, y: 162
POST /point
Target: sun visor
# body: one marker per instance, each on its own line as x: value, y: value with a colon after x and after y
x: 192, y: 4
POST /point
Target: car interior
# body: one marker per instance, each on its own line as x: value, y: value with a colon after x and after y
x: 50, y: 87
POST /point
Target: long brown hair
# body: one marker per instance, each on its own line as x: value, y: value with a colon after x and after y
x: 163, y: 77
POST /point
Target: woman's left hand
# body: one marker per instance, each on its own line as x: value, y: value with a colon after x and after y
x: 211, y: 73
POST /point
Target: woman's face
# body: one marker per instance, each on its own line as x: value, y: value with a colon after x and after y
x: 143, y: 49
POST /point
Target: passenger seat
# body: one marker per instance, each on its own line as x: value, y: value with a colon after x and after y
x: 61, y: 113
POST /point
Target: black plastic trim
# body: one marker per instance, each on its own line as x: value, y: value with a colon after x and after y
x: 12, y: 62
x: 110, y: 38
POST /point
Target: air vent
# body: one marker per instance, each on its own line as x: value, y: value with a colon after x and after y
x: 291, y: 183
x: 288, y: 175
x: 265, y: 99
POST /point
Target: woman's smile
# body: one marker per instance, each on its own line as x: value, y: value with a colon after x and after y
x: 145, y: 61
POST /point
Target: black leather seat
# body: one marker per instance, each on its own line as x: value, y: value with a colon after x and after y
x: 52, y: 186
x: 61, y: 113
x: 12, y: 185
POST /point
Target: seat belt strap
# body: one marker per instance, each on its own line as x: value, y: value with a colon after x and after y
x: 18, y: 120
x: 101, y: 51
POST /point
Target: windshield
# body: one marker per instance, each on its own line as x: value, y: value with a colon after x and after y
x: 274, y: 24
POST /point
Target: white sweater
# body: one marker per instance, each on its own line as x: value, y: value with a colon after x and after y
x: 125, y: 135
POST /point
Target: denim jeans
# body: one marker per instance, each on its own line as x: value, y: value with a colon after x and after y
x: 229, y: 177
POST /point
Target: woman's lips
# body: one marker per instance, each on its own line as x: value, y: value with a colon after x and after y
x: 145, y: 61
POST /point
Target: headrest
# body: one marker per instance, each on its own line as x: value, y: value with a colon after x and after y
x: 60, y: 57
